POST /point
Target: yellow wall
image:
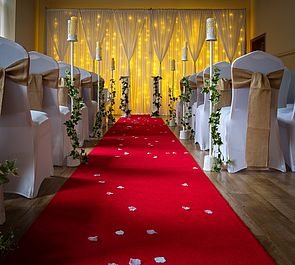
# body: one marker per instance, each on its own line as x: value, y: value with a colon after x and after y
x: 25, y: 23
x: 276, y: 19
x: 113, y: 4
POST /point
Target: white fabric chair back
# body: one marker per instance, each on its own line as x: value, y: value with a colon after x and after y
x: 39, y: 64
x: 225, y: 72
x: 256, y: 61
x: 291, y: 92
x: 86, y: 91
x: 284, y: 89
x: 15, y: 101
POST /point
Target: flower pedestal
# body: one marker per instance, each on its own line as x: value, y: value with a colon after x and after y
x: 71, y: 162
x: 172, y: 123
x: 208, y: 162
x: 184, y: 134
x: 2, y: 208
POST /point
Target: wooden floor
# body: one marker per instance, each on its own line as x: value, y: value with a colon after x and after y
x: 264, y: 200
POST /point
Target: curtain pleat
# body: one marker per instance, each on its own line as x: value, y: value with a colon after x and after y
x: 194, y: 27
x: 230, y: 23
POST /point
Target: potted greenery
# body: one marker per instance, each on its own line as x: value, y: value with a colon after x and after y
x: 112, y: 95
x: 171, y: 110
x: 156, y: 97
x: 187, y: 110
x: 97, y: 128
x: 7, y: 168
x: 124, y: 106
x: 77, y: 154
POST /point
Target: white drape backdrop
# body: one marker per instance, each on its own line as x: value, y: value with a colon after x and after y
x: 194, y: 29
x: 230, y: 23
x: 144, y: 62
x: 94, y: 24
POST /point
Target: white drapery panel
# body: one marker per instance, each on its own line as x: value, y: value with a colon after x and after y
x: 229, y: 23
x: 162, y: 26
x: 94, y: 25
x: 143, y: 63
x: 194, y: 29
x: 57, y: 28
x: 129, y: 24
x: 2, y: 19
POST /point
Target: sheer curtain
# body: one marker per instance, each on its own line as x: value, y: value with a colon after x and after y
x: 94, y: 24
x: 143, y: 63
x: 7, y: 18
x: 194, y: 28
x: 129, y: 24
x: 230, y: 23
x: 57, y: 28
x: 162, y: 26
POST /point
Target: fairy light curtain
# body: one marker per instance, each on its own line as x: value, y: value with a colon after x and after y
x: 229, y: 23
x: 57, y: 28
x: 194, y: 29
x: 94, y: 24
x: 144, y: 62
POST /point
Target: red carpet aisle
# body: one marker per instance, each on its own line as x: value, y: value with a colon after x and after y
x: 144, y: 197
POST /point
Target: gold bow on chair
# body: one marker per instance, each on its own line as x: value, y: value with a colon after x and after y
x: 86, y: 82
x: 35, y: 87
x: 224, y: 88
x: 16, y: 72
x: 259, y: 112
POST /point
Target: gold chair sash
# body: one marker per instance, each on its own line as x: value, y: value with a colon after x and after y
x: 16, y: 72
x: 205, y: 77
x: 224, y: 88
x: 36, y: 84
x: 86, y: 82
x: 200, y: 81
x: 63, y: 98
x: 259, y: 112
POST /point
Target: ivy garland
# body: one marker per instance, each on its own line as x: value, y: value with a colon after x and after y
x: 171, y: 109
x: 156, y: 96
x: 6, y: 169
x: 124, y: 98
x: 214, y: 119
x: 97, y: 127
x: 185, y: 98
x: 74, y: 119
x: 110, y: 112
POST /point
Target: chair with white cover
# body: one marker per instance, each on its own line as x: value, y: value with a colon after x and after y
x: 44, y: 75
x: 286, y: 119
x: 87, y: 87
x: 200, y: 98
x: 203, y: 110
x: 82, y: 127
x: 251, y: 127
x: 25, y: 136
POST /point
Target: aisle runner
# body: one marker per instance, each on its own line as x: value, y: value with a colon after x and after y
x: 142, y: 196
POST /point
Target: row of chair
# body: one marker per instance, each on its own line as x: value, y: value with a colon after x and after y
x: 34, y: 106
x: 248, y: 114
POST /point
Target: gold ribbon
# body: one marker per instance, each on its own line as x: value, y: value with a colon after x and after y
x: 63, y: 98
x: 200, y: 81
x: 86, y: 82
x: 224, y: 88
x: 259, y: 111
x: 16, y: 72
x: 36, y: 84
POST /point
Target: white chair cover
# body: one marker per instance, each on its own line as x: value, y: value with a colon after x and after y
x: 87, y: 97
x: 235, y: 122
x: 203, y: 110
x: 286, y: 119
x: 284, y: 89
x: 61, y: 146
x: 82, y: 127
x: 200, y: 98
x: 25, y: 136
